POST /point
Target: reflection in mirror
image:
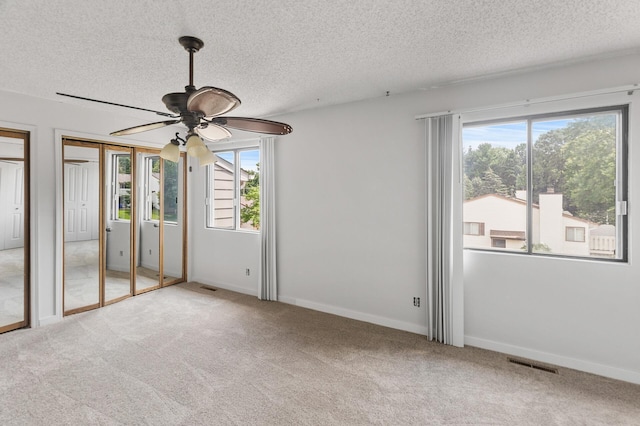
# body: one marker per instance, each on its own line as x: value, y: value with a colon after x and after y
x: 117, y: 213
x: 81, y: 235
x: 13, y: 242
x: 148, y: 229
x: 172, y: 195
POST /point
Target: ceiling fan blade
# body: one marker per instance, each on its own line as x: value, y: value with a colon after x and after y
x: 213, y: 132
x: 144, y: 127
x: 211, y: 101
x: 254, y: 125
x: 164, y: 114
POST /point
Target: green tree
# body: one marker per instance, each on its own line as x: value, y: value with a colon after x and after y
x: 590, y: 169
x: 250, y: 210
x: 491, y: 183
x: 499, y: 168
x: 548, y: 164
x: 170, y: 187
x: 124, y: 164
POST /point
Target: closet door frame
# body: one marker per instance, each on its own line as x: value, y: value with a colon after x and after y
x: 138, y: 220
x: 103, y: 222
x: 26, y: 194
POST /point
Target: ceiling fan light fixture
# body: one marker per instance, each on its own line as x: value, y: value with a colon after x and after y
x: 205, y: 158
x: 195, y: 146
x: 170, y: 152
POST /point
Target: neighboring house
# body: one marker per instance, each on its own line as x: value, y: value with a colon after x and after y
x: 223, y: 192
x: 496, y: 221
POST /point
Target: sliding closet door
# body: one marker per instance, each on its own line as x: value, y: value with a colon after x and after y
x: 81, y: 227
x: 147, y: 242
x: 173, y: 221
x: 14, y: 230
x: 118, y: 211
x: 124, y: 223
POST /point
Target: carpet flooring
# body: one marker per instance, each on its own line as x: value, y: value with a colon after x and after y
x: 184, y: 355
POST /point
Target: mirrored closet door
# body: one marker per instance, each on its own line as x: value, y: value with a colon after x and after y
x: 172, y: 195
x: 14, y: 230
x: 147, y: 245
x: 159, y: 226
x: 118, y: 211
x: 81, y: 227
x: 124, y: 223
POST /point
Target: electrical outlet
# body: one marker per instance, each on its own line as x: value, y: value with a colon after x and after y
x: 416, y: 302
x: 248, y: 272
x: 121, y: 253
x: 149, y: 251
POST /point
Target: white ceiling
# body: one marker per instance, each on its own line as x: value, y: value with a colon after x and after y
x: 279, y: 56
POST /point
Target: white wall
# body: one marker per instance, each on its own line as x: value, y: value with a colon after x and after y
x: 350, y: 200
x: 219, y: 257
x: 350, y: 211
x: 46, y: 119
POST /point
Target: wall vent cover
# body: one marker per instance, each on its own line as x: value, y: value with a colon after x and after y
x: 533, y: 365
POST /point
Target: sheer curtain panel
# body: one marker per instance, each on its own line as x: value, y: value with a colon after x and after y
x: 443, y: 231
x: 268, y: 277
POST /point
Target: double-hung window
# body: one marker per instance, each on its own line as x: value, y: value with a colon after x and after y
x: 549, y: 184
x: 233, y: 190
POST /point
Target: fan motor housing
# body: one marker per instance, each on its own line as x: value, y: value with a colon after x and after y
x: 176, y: 102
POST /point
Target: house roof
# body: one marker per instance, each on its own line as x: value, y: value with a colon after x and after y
x: 523, y: 202
x: 287, y: 56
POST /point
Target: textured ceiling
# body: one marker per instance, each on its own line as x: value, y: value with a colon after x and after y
x: 279, y: 56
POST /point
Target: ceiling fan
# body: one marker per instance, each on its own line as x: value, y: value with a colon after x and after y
x: 200, y: 110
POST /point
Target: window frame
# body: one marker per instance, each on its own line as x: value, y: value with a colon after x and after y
x: 621, y: 183
x: 237, y: 175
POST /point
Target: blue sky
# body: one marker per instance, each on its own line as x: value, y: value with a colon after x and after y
x: 507, y: 135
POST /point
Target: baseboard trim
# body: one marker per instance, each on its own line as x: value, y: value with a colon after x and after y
x: 52, y: 319
x: 356, y: 315
x: 225, y: 286
x: 562, y: 361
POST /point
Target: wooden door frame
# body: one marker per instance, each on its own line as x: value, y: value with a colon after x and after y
x: 26, y: 193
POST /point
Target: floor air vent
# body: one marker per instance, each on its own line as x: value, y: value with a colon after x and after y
x: 533, y: 365
x: 208, y: 288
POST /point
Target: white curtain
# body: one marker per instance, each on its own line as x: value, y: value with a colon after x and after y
x: 440, y: 236
x: 268, y: 280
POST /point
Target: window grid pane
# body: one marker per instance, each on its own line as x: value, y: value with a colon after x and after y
x: 495, y: 183
x: 123, y: 186
x: 250, y: 189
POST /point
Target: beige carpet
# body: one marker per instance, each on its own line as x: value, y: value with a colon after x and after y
x: 11, y: 286
x: 183, y: 355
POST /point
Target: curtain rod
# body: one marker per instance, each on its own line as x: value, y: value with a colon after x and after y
x: 628, y: 88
